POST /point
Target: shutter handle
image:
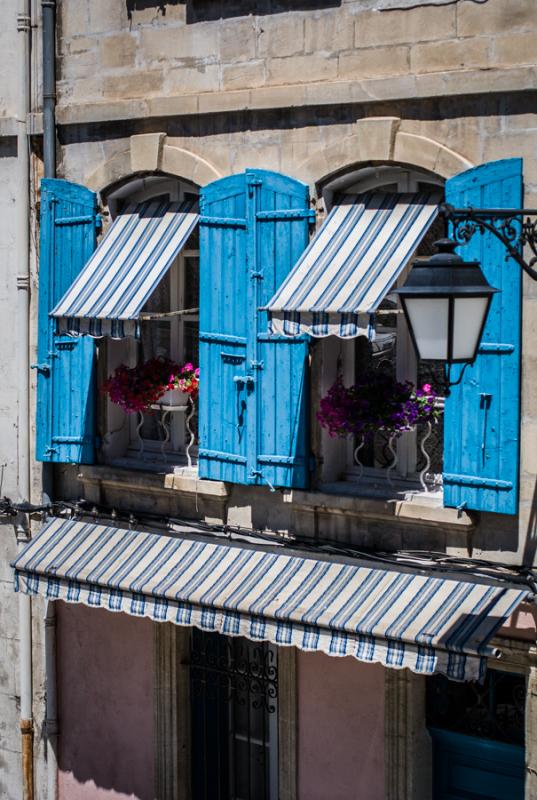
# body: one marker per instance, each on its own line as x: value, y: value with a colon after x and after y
x: 43, y: 368
x: 485, y: 405
x: 249, y: 380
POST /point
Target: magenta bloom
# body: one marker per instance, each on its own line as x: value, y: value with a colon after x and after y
x: 375, y: 402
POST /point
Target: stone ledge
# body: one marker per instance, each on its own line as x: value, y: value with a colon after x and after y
x: 405, y: 511
x: 153, y: 482
x: 9, y: 126
x: 408, y: 87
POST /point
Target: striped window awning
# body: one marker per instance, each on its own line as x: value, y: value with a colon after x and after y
x: 107, y: 297
x: 351, y: 264
x: 328, y: 603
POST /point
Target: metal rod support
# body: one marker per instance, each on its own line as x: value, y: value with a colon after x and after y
x: 515, y: 228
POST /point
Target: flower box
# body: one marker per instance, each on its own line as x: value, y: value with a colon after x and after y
x: 173, y: 397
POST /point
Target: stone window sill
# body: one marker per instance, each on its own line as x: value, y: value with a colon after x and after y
x: 343, y: 497
x: 351, y: 499
x: 152, y: 480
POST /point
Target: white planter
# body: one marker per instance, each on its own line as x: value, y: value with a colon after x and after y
x: 174, y: 397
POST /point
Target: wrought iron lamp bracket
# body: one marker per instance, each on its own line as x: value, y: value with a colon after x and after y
x: 516, y: 229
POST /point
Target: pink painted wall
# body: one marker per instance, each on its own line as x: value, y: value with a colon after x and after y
x: 105, y: 690
x: 340, y: 728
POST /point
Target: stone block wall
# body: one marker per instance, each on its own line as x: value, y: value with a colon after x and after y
x: 111, y: 51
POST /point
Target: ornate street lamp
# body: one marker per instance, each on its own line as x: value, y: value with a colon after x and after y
x: 446, y: 301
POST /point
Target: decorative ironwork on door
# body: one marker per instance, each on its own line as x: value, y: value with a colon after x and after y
x: 234, y: 689
x: 491, y: 710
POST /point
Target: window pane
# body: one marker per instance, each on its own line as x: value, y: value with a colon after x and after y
x: 191, y: 341
x: 380, y: 356
x: 155, y: 342
x: 192, y: 281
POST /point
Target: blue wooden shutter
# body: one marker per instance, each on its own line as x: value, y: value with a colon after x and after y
x: 280, y: 207
x: 253, y: 392
x: 65, y: 383
x: 482, y: 415
x: 224, y: 393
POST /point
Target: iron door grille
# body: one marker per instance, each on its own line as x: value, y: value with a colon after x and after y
x: 234, y: 691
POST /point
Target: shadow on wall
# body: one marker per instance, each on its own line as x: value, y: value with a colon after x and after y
x: 105, y: 704
x: 159, y: 6
x: 530, y: 545
x: 204, y: 10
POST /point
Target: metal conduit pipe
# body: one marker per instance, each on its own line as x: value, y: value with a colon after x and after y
x: 51, y: 721
x: 48, y: 10
x: 23, y: 383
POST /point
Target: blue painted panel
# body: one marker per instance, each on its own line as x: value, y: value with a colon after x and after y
x: 66, y: 374
x: 282, y: 435
x: 223, y: 400
x: 470, y: 768
x: 253, y: 392
x: 482, y: 415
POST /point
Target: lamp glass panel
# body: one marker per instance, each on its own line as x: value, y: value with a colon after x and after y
x: 468, y: 316
x: 428, y: 317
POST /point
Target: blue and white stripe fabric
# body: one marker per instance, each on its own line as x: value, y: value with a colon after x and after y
x: 351, y: 264
x: 327, y: 603
x: 107, y: 297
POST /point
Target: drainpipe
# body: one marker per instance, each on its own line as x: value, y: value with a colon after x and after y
x: 51, y: 721
x: 23, y: 320
x: 48, y: 10
x: 49, y: 86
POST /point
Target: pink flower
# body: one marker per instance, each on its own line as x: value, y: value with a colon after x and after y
x: 426, y: 387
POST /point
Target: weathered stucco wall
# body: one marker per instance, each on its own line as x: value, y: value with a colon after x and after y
x: 10, y: 366
x: 105, y: 705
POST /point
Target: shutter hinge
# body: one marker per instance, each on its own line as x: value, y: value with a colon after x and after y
x: 44, y: 368
x: 256, y: 275
x: 257, y: 364
x: 311, y: 216
x: 98, y: 222
x: 252, y: 181
x: 50, y: 449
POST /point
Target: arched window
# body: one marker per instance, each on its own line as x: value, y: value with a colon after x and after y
x: 387, y: 349
x: 169, y: 324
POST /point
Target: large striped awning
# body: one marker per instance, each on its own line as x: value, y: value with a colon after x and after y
x: 351, y: 264
x: 107, y: 297
x: 334, y: 604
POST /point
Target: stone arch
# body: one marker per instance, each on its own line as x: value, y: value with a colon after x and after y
x: 380, y: 140
x: 150, y: 152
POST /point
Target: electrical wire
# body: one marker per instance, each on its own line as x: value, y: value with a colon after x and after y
x: 426, y: 560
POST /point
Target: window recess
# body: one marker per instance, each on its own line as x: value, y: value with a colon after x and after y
x: 383, y: 464
x: 168, y: 327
